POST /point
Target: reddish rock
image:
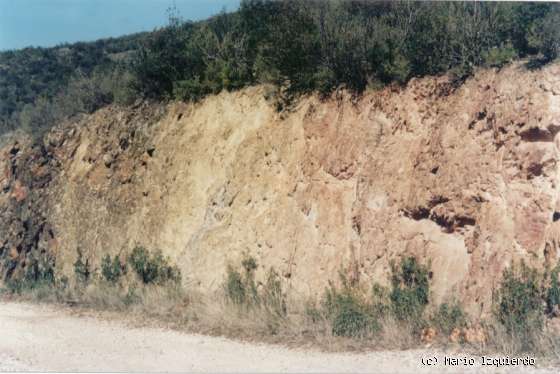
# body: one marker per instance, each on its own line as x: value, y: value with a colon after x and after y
x: 19, y: 191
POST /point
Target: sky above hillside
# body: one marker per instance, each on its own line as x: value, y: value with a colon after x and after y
x: 47, y: 23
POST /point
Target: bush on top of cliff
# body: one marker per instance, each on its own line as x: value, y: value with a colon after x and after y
x: 40, y: 87
x: 300, y: 46
x: 305, y: 46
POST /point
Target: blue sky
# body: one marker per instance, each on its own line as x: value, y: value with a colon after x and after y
x: 50, y: 22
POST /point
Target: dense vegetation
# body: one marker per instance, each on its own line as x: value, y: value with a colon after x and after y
x: 42, y: 86
x: 304, y: 46
x: 299, y: 46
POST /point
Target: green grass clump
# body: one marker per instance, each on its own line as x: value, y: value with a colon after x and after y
x: 240, y: 287
x: 235, y: 287
x: 263, y: 302
x: 153, y: 267
x: 448, y: 317
x: 272, y: 296
x: 553, y: 292
x: 39, y: 273
x: 349, y: 312
x: 410, y: 289
x: 520, y: 302
x: 82, y: 270
x: 112, y: 270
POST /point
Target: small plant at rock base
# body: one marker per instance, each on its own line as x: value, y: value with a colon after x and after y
x: 241, y: 289
x: 410, y: 292
x: 553, y: 293
x: 348, y: 311
x: 520, y: 303
x: 235, y: 287
x: 82, y: 269
x: 448, y: 317
x: 38, y: 272
x: 112, y: 270
x: 249, y: 264
x: 380, y: 300
x: 153, y: 268
x: 273, y: 298
x: 312, y: 312
x: 132, y: 296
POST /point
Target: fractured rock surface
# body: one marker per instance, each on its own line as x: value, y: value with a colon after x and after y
x: 465, y: 178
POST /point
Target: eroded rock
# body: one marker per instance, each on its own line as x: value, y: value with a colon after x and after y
x: 463, y: 178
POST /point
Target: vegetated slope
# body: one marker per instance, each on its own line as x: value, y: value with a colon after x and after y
x: 465, y: 178
x: 299, y: 46
x: 39, y: 87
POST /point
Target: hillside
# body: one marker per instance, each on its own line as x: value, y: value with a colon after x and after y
x: 298, y: 46
x: 39, y: 87
x: 465, y: 179
x: 380, y: 171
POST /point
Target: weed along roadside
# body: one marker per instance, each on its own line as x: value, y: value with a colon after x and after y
x: 347, y: 316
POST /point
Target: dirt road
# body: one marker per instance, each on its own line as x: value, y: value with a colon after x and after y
x: 45, y: 338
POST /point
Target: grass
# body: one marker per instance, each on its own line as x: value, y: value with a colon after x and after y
x: 348, y: 312
x: 346, y: 317
x: 267, y: 304
x: 411, y: 289
x: 449, y: 316
x: 112, y: 269
x: 153, y: 267
x: 525, y: 301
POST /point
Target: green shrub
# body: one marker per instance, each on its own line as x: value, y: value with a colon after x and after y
x: 241, y: 289
x: 82, y: 269
x: 112, y: 270
x: 300, y: 46
x: 544, y: 35
x: 235, y: 287
x: 153, y: 267
x: 520, y: 302
x: 410, y: 292
x: 353, y: 315
x: 325, y: 80
x: 553, y: 292
x: 273, y: 298
x: 499, y: 56
x: 447, y: 317
x: 39, y: 272
x: 312, y: 312
x: 349, y: 312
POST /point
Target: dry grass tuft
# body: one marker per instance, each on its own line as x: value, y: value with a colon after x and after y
x: 345, y: 318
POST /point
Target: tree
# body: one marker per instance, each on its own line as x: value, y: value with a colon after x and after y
x: 544, y: 35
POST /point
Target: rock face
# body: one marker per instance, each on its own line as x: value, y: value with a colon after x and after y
x: 465, y: 178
